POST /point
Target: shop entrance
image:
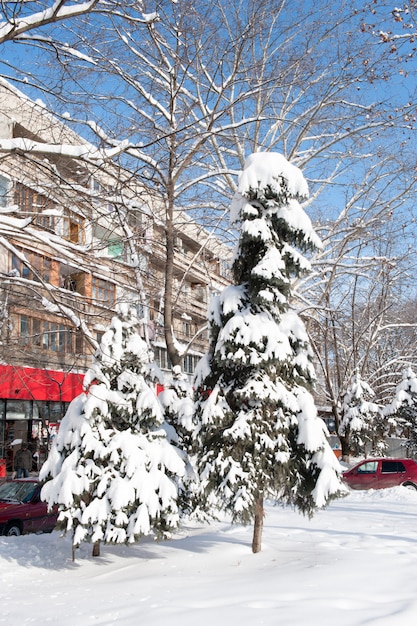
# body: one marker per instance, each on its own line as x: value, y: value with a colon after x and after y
x: 28, y: 421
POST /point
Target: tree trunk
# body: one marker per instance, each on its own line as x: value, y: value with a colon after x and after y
x: 344, y: 442
x: 169, y: 276
x: 259, y: 522
x: 96, y: 549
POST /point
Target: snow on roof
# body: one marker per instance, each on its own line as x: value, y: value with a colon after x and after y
x: 33, y: 115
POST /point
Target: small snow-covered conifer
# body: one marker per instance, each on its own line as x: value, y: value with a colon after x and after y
x: 402, y: 411
x: 178, y: 408
x: 178, y: 405
x: 258, y: 434
x: 113, y: 467
x: 360, y: 419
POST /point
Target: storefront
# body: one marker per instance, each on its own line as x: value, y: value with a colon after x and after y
x: 32, y: 404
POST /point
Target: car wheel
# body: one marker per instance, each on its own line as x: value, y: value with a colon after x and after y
x: 410, y: 485
x: 13, y: 530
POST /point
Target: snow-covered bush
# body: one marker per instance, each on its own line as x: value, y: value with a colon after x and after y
x: 113, y: 469
x: 258, y: 434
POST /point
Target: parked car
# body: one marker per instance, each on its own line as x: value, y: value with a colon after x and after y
x: 382, y: 473
x: 22, y: 510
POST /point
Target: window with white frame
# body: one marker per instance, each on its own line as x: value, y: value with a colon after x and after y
x: 189, y: 363
x: 162, y: 358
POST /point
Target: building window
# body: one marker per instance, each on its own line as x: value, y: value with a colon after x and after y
x: 46, y: 335
x: 199, y: 292
x: 24, y: 330
x: 103, y: 293
x: 115, y: 249
x: 4, y: 188
x: 187, y: 328
x: 30, y: 201
x: 73, y: 227
x: 189, y: 363
x: 18, y: 409
x: 225, y: 268
x: 162, y: 358
x: 79, y: 342
x: 41, y: 266
x: 135, y: 220
x: 36, y: 268
x: 95, y: 185
x: 74, y: 282
x: 36, y: 331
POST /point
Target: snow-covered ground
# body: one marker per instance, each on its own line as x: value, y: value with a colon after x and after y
x: 353, y: 563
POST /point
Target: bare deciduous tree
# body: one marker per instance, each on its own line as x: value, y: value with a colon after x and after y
x: 182, y: 94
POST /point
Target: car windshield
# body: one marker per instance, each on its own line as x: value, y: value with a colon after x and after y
x: 368, y: 468
x: 17, y: 491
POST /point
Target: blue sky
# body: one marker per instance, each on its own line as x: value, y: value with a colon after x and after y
x: 30, y: 63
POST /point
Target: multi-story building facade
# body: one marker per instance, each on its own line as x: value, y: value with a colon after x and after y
x: 76, y: 239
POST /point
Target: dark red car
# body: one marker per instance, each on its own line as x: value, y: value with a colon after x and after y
x: 381, y: 473
x: 22, y: 510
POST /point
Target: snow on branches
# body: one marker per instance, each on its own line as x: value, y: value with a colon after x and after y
x: 258, y: 434
x: 114, y: 468
x: 401, y: 412
x: 360, y: 417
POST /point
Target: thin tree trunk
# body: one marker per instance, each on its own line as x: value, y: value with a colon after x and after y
x: 96, y: 548
x: 344, y: 441
x: 258, y: 526
x: 169, y: 278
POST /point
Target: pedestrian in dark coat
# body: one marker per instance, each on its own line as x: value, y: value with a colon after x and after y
x: 23, y: 462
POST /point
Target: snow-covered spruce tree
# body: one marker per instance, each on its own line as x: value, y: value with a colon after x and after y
x: 402, y: 411
x: 113, y: 469
x: 360, y: 421
x: 258, y: 434
x: 178, y: 405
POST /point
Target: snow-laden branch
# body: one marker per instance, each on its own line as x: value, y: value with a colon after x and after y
x: 59, y: 11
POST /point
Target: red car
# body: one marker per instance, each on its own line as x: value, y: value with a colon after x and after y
x: 381, y: 473
x: 21, y: 509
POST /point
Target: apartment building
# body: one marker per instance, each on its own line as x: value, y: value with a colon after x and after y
x: 76, y: 239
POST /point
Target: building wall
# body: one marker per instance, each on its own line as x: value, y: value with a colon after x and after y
x: 67, y: 259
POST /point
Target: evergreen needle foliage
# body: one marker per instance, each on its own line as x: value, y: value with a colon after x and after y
x: 114, y: 467
x: 258, y: 434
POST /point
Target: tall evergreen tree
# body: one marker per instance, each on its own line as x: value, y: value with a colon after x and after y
x: 114, y: 468
x: 402, y: 411
x: 258, y: 434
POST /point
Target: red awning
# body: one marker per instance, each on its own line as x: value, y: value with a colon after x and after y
x: 27, y: 383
